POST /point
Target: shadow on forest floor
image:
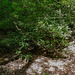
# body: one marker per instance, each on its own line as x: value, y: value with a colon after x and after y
x: 41, y: 63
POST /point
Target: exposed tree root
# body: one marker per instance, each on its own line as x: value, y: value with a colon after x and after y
x: 5, y: 61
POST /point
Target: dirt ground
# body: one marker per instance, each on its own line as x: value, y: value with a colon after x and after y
x: 42, y: 65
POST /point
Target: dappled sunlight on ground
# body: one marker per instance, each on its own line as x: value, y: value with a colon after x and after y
x: 52, y: 66
x: 17, y: 64
x: 42, y: 65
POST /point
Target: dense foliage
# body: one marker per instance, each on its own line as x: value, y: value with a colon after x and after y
x: 37, y: 22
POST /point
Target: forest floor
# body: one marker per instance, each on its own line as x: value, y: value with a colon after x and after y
x: 48, y: 66
x: 39, y: 64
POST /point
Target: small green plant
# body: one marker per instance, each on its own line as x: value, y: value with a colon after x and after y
x: 46, y: 74
x: 22, y: 56
x: 28, y: 56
